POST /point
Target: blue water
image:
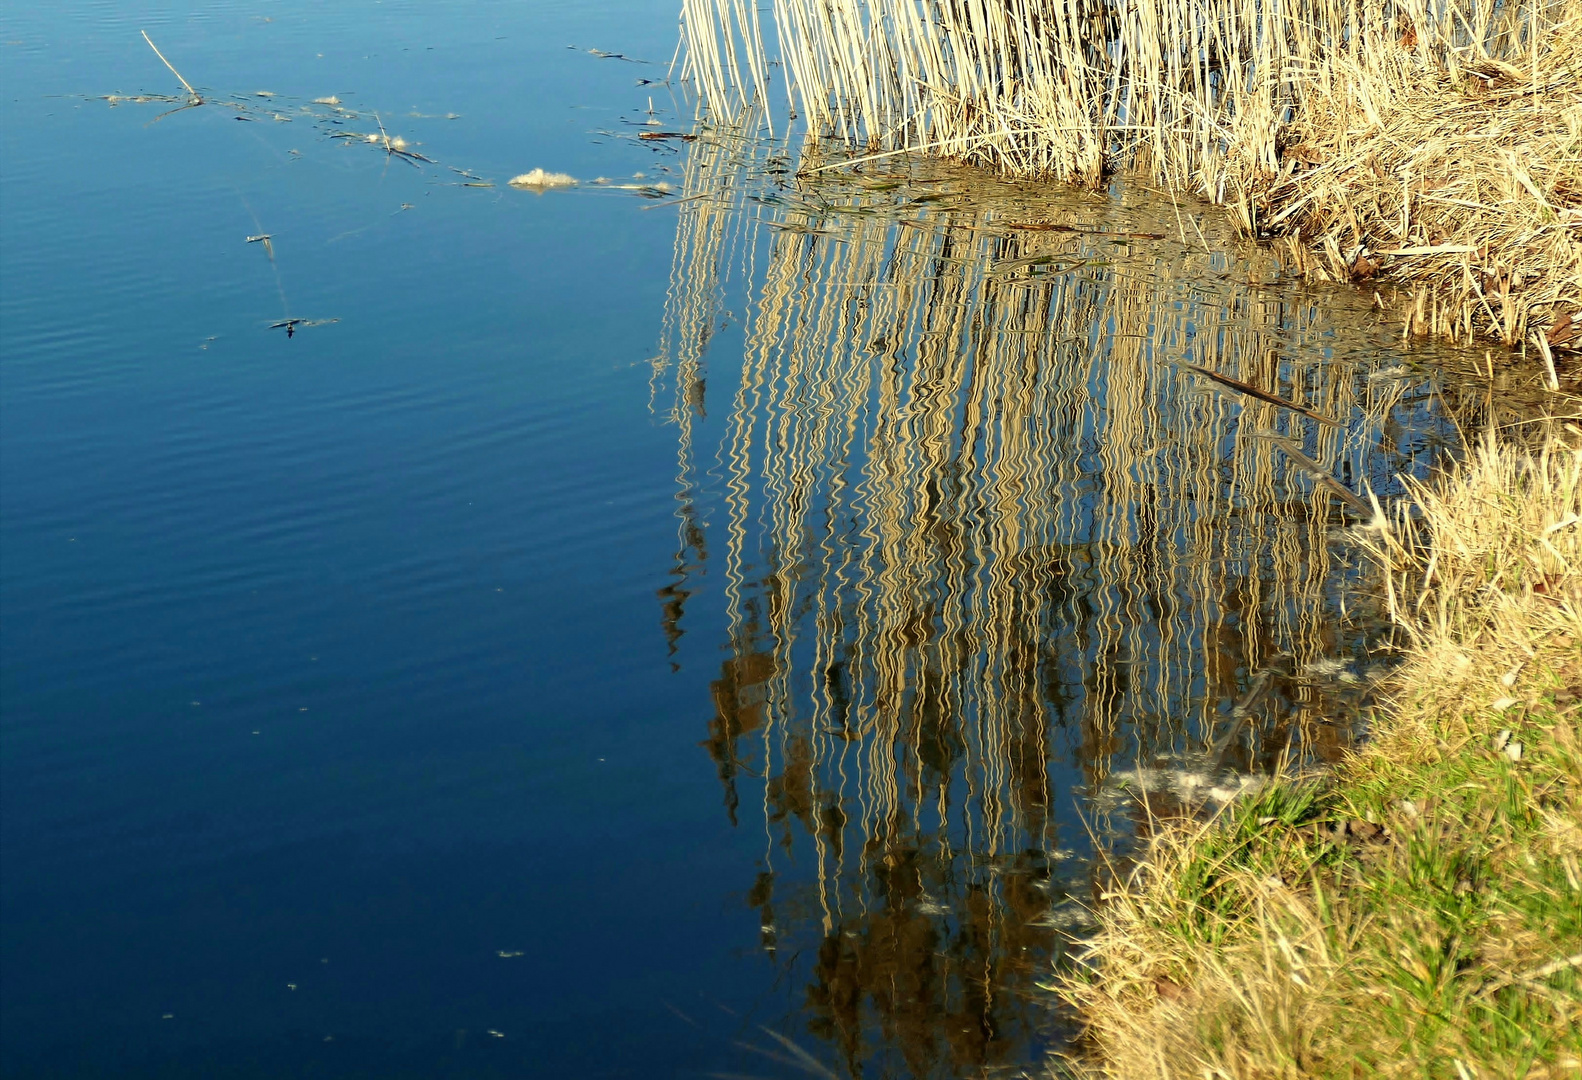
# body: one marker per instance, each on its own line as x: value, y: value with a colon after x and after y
x: 354, y: 679
x: 331, y: 660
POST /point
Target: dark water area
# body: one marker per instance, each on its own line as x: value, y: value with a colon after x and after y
x: 477, y: 632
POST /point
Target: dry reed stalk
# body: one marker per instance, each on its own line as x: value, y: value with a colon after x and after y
x: 1434, y: 140
x: 1462, y: 182
x: 193, y: 97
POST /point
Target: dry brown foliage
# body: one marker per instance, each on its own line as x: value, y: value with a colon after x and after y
x: 1460, y: 177
x: 1438, y: 144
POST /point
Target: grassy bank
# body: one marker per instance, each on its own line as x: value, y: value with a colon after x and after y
x: 1433, y: 143
x: 1418, y: 912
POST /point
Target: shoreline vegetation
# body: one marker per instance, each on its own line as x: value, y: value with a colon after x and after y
x: 1416, y: 911
x: 1432, y: 146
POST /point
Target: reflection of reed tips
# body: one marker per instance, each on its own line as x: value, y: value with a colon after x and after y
x: 196, y: 98
x: 1318, y: 472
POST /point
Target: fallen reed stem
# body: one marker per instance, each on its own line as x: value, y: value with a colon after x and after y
x: 194, y: 98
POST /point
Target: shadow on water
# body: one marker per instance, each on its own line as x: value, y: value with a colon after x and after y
x: 1026, y: 503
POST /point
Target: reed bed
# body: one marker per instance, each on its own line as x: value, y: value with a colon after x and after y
x: 1462, y: 182
x: 1419, y: 914
x: 1437, y: 143
x: 983, y: 541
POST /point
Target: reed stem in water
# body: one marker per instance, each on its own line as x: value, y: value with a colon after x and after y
x: 193, y: 96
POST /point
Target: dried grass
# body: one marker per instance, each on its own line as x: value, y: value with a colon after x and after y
x: 1420, y: 914
x: 1490, y: 578
x: 1435, y: 141
x: 1463, y: 181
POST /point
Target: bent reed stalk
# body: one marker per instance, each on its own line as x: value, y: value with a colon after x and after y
x: 1436, y: 141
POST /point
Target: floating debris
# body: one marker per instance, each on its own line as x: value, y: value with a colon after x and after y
x: 647, y: 191
x: 290, y: 326
x: 1055, y: 226
x: 1262, y: 395
x: 394, y: 145
x: 602, y: 55
x: 138, y: 99
x: 542, y: 180
x: 1394, y: 371
x: 1189, y: 786
x: 1041, y: 264
x: 1071, y: 915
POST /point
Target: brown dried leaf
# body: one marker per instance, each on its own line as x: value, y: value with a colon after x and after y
x: 1566, y: 330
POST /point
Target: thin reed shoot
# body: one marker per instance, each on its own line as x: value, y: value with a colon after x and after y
x: 193, y: 97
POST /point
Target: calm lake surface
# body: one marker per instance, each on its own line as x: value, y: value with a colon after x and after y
x: 482, y: 633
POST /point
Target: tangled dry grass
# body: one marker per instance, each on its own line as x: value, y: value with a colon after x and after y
x: 1419, y: 913
x: 1460, y: 179
x: 1437, y: 143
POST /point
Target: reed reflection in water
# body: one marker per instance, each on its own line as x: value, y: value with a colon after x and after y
x: 990, y: 553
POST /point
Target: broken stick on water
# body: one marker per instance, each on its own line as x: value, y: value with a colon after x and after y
x: 194, y: 97
x: 1262, y: 395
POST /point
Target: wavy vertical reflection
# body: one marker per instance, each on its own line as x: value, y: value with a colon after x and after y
x: 988, y: 544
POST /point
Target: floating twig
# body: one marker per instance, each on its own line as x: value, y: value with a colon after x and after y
x: 689, y: 198
x: 1053, y: 263
x: 1045, y: 226
x: 290, y: 325
x: 602, y: 55
x: 1262, y: 395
